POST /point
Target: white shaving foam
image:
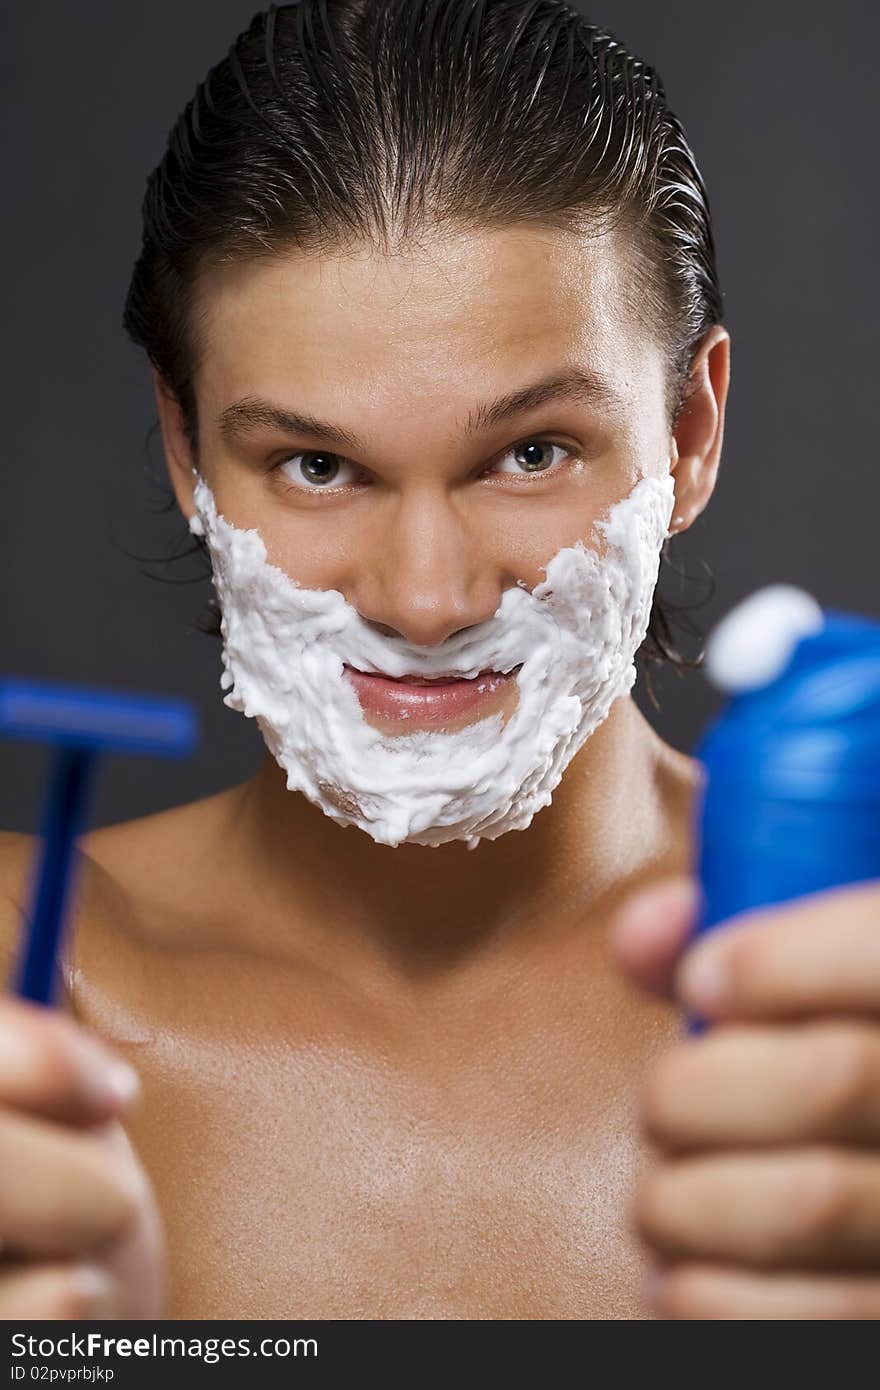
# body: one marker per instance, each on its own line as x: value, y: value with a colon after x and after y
x: 575, y: 636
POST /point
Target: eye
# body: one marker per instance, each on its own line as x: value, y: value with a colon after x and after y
x: 313, y: 469
x: 532, y: 456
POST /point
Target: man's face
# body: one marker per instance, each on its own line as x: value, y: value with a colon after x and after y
x: 414, y: 498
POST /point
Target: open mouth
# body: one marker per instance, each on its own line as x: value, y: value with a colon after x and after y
x: 436, y: 680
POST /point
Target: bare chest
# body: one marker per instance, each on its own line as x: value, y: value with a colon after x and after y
x: 312, y: 1159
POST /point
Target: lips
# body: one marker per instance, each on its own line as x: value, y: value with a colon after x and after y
x: 427, y: 699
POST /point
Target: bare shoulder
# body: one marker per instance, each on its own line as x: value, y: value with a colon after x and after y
x: 679, y: 783
x: 132, y: 874
x: 681, y: 774
x: 16, y: 856
x: 16, y: 867
x: 676, y: 776
x: 154, y: 864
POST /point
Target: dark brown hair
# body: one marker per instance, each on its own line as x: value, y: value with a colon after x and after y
x: 332, y: 122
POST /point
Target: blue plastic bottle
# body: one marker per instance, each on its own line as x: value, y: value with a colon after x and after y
x: 791, y: 799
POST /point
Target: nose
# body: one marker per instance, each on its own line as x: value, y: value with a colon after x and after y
x: 425, y: 575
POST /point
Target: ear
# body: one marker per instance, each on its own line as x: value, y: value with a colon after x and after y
x: 180, y: 458
x: 699, y: 432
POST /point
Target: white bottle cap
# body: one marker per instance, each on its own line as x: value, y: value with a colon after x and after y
x: 753, y: 643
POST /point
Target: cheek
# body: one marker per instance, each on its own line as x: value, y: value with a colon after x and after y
x: 529, y: 535
x: 308, y: 550
x: 306, y: 545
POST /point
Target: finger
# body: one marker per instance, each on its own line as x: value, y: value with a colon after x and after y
x: 61, y: 1191
x: 786, y: 1207
x: 57, y: 1291
x: 743, y: 1085
x: 710, y: 1291
x: 52, y: 1067
x: 818, y: 954
x: 650, y: 930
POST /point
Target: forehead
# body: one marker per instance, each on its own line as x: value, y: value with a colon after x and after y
x: 457, y: 312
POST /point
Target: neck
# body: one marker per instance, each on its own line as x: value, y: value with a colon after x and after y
x: 416, y: 908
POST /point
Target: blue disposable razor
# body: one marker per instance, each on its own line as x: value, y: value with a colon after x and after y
x: 82, y: 724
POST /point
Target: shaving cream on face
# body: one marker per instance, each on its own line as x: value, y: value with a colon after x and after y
x: 574, y: 636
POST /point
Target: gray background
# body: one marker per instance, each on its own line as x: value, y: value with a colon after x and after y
x: 778, y: 103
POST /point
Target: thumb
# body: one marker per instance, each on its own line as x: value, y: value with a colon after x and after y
x: 650, y: 930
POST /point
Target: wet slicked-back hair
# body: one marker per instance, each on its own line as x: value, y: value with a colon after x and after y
x: 331, y: 123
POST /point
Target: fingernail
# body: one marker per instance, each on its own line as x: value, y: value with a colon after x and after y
x: 640, y: 910
x: 653, y: 1286
x: 96, y: 1291
x: 704, y: 983
x: 123, y: 1081
x: 112, y: 1079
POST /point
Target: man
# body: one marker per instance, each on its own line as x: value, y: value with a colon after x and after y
x: 389, y: 1065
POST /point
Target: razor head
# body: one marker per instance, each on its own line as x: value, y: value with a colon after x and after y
x: 103, y: 720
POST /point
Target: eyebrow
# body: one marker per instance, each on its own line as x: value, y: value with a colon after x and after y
x: 581, y: 386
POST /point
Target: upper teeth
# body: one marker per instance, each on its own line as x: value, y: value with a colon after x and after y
x: 427, y: 680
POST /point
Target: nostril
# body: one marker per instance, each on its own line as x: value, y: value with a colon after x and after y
x: 383, y: 629
x: 386, y: 630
